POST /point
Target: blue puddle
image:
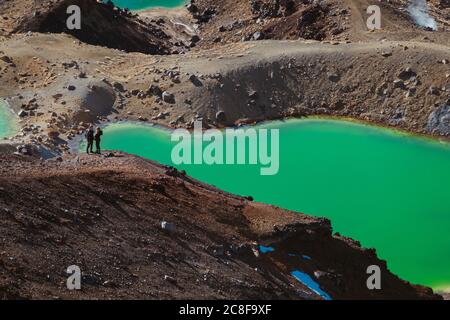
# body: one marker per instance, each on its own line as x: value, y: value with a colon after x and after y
x: 310, y: 283
x: 264, y: 249
x: 302, y: 277
x: 303, y: 256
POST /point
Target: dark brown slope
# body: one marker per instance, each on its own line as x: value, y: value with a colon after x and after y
x: 226, y: 21
x: 105, y: 214
x: 101, y: 24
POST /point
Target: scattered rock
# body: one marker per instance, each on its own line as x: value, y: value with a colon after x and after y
x: 333, y: 77
x: 195, y: 38
x: 406, y: 74
x: 53, y: 134
x: 398, y: 83
x: 433, y: 90
x: 24, y: 150
x: 195, y: 80
x: 217, y: 250
x: 6, y: 59
x: 258, y: 36
x: 155, y: 90
x: 170, y: 279
x: 192, y: 8
x: 118, y: 86
x: 167, y: 226
x: 220, y: 116
x: 22, y: 113
x: 439, y: 121
x: 252, y: 94
x: 168, y: 97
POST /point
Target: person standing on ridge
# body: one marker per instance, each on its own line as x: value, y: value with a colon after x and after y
x: 97, y: 138
x: 90, y: 139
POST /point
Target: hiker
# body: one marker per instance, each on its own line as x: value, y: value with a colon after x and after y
x: 90, y: 139
x: 97, y: 138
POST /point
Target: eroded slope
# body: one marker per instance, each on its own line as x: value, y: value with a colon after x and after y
x: 105, y: 214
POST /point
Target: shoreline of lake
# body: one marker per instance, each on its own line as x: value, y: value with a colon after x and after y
x: 181, y: 4
x: 396, y: 131
x: 7, y: 118
x: 332, y: 166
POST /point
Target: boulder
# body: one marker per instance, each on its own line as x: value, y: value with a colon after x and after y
x: 53, y: 134
x: 433, y: 90
x: 6, y: 59
x: 168, y: 97
x: 195, y: 80
x: 220, y: 116
x: 439, y: 121
x: 258, y: 36
x: 118, y: 86
x: 398, y: 83
x: 333, y: 77
x: 167, y: 226
x: 252, y: 94
x: 192, y: 8
x: 94, y: 100
x: 406, y: 74
x: 23, y: 149
x: 195, y: 38
x: 22, y: 113
x: 155, y: 90
x: 170, y: 279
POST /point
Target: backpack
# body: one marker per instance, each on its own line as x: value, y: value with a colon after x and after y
x: 90, y: 134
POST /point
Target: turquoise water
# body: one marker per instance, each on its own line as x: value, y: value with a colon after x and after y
x: 8, y: 124
x: 145, y: 4
x: 386, y: 189
x: 265, y: 249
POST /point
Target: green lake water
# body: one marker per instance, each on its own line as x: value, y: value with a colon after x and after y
x: 7, y: 121
x: 387, y: 189
x: 145, y: 4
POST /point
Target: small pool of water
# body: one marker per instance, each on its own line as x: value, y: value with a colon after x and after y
x: 310, y: 283
x: 8, y: 121
x: 147, y: 4
x: 387, y: 189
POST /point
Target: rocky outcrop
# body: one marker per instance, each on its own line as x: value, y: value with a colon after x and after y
x: 105, y: 25
x: 126, y: 221
x: 439, y: 121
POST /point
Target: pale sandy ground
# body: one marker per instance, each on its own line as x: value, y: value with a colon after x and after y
x: 290, y: 77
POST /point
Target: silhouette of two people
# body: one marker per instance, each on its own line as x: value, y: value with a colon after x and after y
x: 92, y: 136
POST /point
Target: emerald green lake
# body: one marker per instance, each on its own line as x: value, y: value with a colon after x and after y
x: 7, y: 121
x: 145, y: 4
x: 387, y: 189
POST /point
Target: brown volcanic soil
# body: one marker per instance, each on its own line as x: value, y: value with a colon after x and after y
x: 367, y: 81
x: 340, y: 20
x: 359, y: 74
x: 105, y: 214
